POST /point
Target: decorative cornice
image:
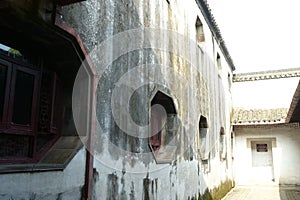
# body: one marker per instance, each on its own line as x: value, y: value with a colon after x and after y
x: 265, y: 75
x: 266, y: 126
x: 258, y: 116
x: 210, y: 20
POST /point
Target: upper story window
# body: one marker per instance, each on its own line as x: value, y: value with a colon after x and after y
x: 219, y: 64
x: 229, y: 79
x: 200, y: 38
x: 29, y: 109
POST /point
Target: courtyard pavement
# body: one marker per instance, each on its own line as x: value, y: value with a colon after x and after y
x: 270, y: 192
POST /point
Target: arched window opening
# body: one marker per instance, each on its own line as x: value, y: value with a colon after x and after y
x: 219, y: 64
x: 222, y: 144
x: 200, y: 38
x: 204, y: 139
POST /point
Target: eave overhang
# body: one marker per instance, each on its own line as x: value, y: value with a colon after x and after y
x: 294, y: 110
x: 210, y: 20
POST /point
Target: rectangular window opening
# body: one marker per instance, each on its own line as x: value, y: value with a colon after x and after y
x: 23, y: 96
x: 261, y: 147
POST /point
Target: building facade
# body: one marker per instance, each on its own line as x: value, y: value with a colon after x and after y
x: 267, y: 129
x: 114, y: 100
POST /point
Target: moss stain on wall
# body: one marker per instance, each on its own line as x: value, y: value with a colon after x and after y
x: 217, y: 193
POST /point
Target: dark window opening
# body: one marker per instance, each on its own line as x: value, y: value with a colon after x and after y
x: 23, y: 96
x: 229, y: 79
x: 203, y: 135
x: 165, y: 125
x: 25, y: 105
x: 218, y: 60
x: 200, y: 38
x: 162, y: 127
x: 261, y: 147
x: 206, y: 165
x: 222, y: 144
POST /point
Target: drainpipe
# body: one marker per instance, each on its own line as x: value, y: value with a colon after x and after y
x: 88, y: 183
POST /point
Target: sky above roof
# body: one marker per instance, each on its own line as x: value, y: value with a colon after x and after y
x: 264, y: 94
x: 260, y: 34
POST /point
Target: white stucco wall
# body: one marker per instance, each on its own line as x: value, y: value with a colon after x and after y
x: 125, y: 175
x: 285, y: 150
x: 64, y: 185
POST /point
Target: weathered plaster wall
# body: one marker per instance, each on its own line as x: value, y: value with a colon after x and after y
x: 285, y: 153
x: 123, y: 166
x: 66, y: 184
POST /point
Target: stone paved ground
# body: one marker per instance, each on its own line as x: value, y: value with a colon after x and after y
x: 264, y: 193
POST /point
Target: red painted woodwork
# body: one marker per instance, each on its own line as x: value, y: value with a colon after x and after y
x: 156, y: 126
x: 20, y: 138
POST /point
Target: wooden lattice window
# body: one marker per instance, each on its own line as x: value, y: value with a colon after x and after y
x: 29, y: 111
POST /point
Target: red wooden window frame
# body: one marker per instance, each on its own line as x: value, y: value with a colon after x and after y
x: 8, y: 128
x: 156, y: 129
x: 32, y: 124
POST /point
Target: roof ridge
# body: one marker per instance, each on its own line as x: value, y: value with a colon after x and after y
x: 265, y: 75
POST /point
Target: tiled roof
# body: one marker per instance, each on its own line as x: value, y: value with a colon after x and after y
x: 265, y: 75
x: 259, y: 116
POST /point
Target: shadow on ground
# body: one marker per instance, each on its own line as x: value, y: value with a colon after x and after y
x: 289, y: 192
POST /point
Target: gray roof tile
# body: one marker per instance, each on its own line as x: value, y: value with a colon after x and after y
x: 259, y: 116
